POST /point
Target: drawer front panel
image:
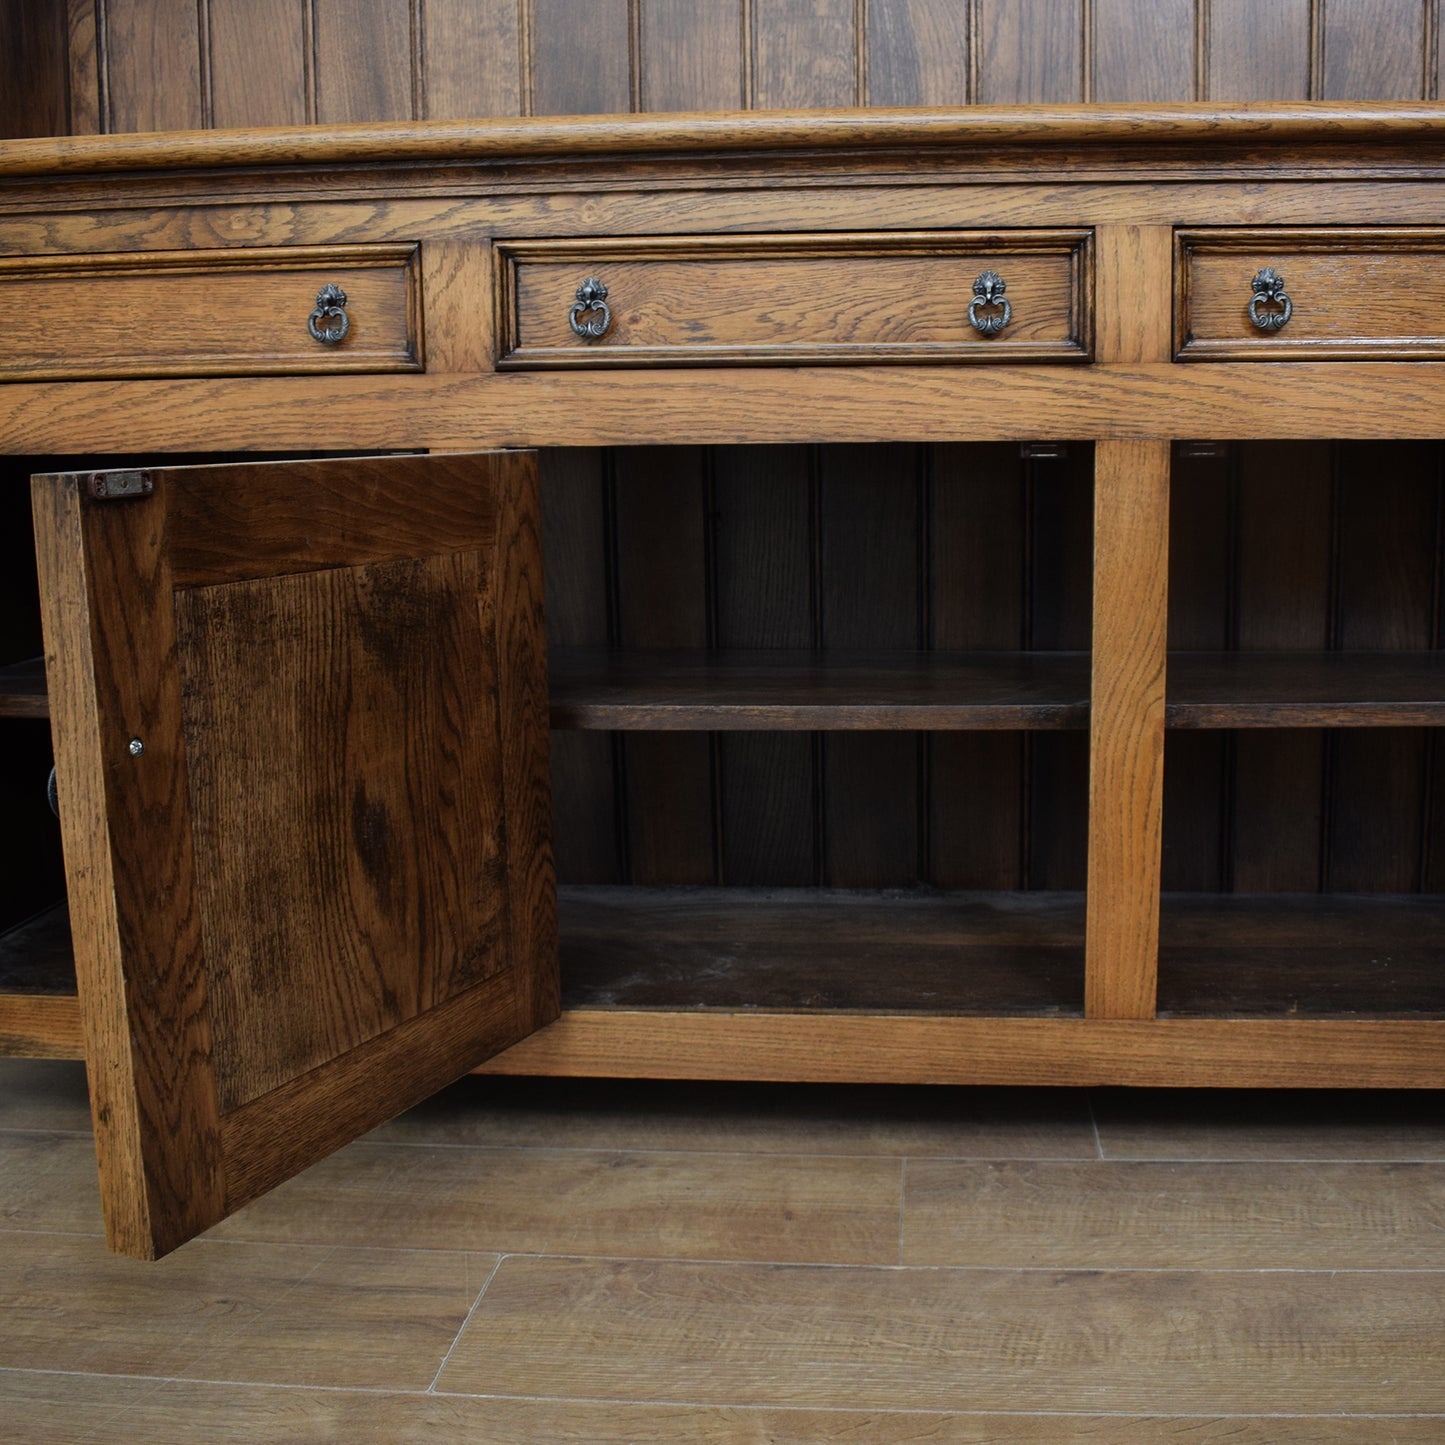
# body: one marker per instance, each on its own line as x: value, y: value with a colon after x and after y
x: 723, y: 300
x: 1363, y: 293
x: 208, y: 313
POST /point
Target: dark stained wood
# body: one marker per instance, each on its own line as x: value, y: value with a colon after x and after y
x: 364, y: 68
x: 1282, y: 604
x: 36, y: 955
x: 691, y: 57
x: 153, y: 76
x: 1022, y: 59
x: 739, y: 948
x: 871, y: 596
x: 41, y: 1026
x: 1143, y: 51
x: 917, y: 52
x: 1378, y: 955
x: 1373, y: 50
x: 835, y: 691
x: 661, y: 561
x: 805, y: 53
x: 1258, y: 52
x: 1306, y: 690
x: 33, y: 69
x: 578, y: 60
x: 259, y: 63
x: 766, y: 596
x: 22, y: 689
x: 87, y: 113
x: 472, y: 63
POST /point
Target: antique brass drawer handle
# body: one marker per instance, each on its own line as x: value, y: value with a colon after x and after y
x: 1269, y: 293
x: 329, y: 323
x: 988, y: 293
x: 591, y: 316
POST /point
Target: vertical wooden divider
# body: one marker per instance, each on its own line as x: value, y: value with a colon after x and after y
x: 1131, y: 594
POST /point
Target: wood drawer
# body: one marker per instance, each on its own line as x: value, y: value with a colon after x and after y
x: 788, y: 299
x: 207, y: 313
x: 1367, y: 293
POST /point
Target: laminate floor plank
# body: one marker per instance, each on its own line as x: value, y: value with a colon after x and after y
x: 1269, y: 1125
x: 46, y: 1407
x: 377, y: 1318
x: 48, y: 1183
x: 65, y: 1302
x: 1175, y: 1216
x: 1000, y: 1340
x: 755, y: 1118
x: 693, y: 1206
x: 243, y: 1415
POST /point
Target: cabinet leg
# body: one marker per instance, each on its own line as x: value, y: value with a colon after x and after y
x: 1126, y: 729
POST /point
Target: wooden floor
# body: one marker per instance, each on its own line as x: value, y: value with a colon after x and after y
x: 525, y: 1261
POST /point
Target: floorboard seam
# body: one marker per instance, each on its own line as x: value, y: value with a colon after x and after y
x: 461, y: 1330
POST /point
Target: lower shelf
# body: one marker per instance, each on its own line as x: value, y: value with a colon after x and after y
x: 822, y: 949
x: 39, y: 1010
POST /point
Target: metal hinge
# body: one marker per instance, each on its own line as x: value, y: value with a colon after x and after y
x: 117, y: 486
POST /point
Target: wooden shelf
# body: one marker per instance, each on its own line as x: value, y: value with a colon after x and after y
x: 822, y: 949
x: 781, y: 689
x: 935, y: 691
x: 1305, y: 689
x: 22, y: 689
x: 39, y: 1010
x: 1372, y: 955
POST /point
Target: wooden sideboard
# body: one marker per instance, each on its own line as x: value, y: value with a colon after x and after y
x: 303, y: 698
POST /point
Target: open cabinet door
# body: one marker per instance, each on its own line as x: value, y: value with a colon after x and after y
x: 300, y: 717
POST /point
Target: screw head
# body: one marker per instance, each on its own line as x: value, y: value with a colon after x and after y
x: 136, y: 747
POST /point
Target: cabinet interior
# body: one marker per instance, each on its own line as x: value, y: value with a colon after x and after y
x: 820, y: 729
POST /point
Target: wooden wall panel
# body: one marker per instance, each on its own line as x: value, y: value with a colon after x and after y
x: 259, y: 63
x: 153, y: 65
x: 1143, y: 52
x: 805, y: 53
x: 691, y: 57
x: 364, y: 67
x: 916, y: 53
x: 1258, y: 49
x: 471, y: 58
x: 579, y: 57
x: 33, y: 68
x: 1028, y: 51
x: 1372, y: 50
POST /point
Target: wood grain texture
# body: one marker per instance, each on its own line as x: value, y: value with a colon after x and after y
x: 22, y: 689
x: 1143, y: 52
x: 950, y: 1339
x: 1131, y: 526
x: 258, y: 63
x: 111, y: 665
x: 1251, y: 1053
x: 1373, y: 49
x: 209, y: 314
x: 1258, y: 52
x: 805, y: 53
x: 1027, y: 53
x: 1336, y: 282
x: 472, y: 61
x: 33, y: 69
x: 691, y: 57
x: 917, y: 53
x: 364, y: 79
x: 153, y: 78
x: 579, y: 57
x: 86, y: 111
x: 790, y: 299
x: 822, y: 950
x: 41, y: 1026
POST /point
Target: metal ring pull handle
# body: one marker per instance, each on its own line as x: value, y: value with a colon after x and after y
x: 329, y: 323
x: 1269, y: 293
x: 988, y: 292
x: 591, y: 316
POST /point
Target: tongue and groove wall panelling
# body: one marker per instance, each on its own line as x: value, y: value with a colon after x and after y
x: 1385, y: 583
x: 152, y: 55
x: 1027, y: 52
x: 262, y: 63
x: 33, y: 68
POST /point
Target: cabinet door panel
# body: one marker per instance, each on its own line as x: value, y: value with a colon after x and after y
x: 300, y: 709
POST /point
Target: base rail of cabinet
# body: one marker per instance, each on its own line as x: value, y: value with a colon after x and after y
x: 887, y: 1049
x: 40, y: 1026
